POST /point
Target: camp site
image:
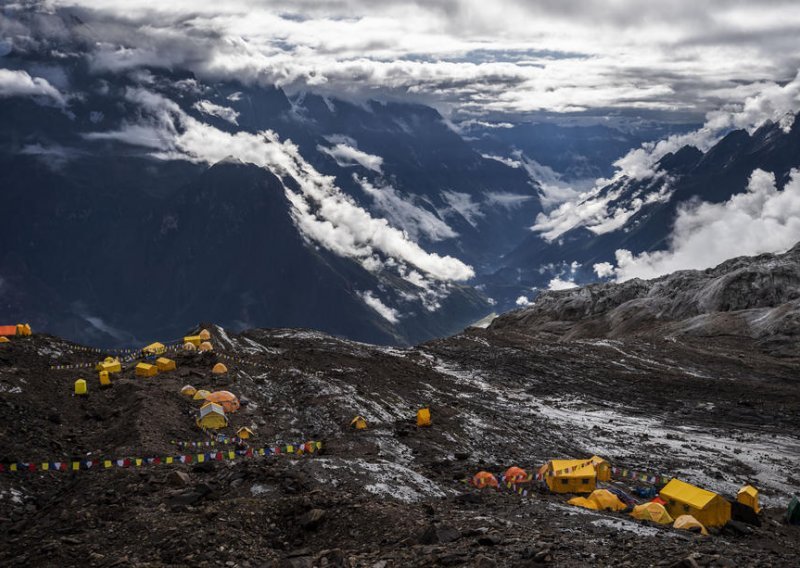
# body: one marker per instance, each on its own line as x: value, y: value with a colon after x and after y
x: 279, y: 437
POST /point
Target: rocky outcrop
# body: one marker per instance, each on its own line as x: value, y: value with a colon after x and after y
x: 753, y: 297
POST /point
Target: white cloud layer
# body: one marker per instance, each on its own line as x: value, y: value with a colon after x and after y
x: 402, y: 213
x: 213, y: 109
x: 504, y: 56
x: 389, y: 314
x: 346, y: 155
x: 321, y: 210
x: 21, y: 84
x: 763, y: 219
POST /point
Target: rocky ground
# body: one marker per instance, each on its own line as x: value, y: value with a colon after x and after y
x: 561, y: 379
x: 717, y: 413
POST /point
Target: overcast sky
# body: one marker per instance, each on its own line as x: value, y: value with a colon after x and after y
x: 466, y: 57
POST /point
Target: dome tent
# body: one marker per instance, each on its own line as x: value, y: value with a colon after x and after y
x: 226, y: 399
x: 219, y: 369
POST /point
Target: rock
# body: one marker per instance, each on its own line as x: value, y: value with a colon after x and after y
x: 490, y: 539
x: 312, y: 519
x: 178, y: 478
x: 543, y: 557
x: 439, y: 534
x: 482, y: 561
x: 461, y: 455
x: 688, y: 562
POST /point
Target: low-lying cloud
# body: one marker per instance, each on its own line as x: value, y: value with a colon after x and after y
x: 321, y: 210
x: 20, y: 84
x: 763, y: 219
x: 345, y: 156
x: 219, y: 111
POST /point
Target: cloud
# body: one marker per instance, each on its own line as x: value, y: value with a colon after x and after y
x: 389, y: 314
x: 321, y: 211
x: 223, y: 112
x: 523, y: 301
x: 402, y: 213
x: 21, y: 84
x: 475, y: 58
x: 346, y: 155
x: 559, y: 284
x: 763, y: 219
x: 505, y: 199
x: 463, y: 205
x: 553, y: 190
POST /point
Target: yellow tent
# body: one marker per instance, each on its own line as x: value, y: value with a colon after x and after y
x: 570, y: 476
x: 219, y: 369
x: 424, y: 417
x: 212, y: 416
x: 3, y: 339
x: 195, y: 340
x: 146, y: 370
x: 583, y: 502
x: 80, y: 387
x: 654, y: 512
x: 689, y: 523
x: 23, y: 329
x: 602, y: 467
x: 748, y: 495
x: 110, y: 365
x: 684, y: 499
x: 359, y: 423
x: 188, y: 390
x: 201, y: 394
x: 189, y: 346
x: 244, y: 433
x: 154, y: 349
x: 206, y: 346
x: 105, y: 379
x: 204, y: 334
x: 607, y: 501
x: 165, y: 364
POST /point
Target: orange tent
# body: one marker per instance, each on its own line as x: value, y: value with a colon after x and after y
x: 515, y: 474
x: 8, y: 330
x: 225, y: 399
x: 484, y: 479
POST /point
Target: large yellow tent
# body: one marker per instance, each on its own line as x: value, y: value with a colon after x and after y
x: 4, y: 339
x: 689, y: 523
x: 206, y: 346
x: 685, y: 499
x: 146, y: 370
x: 188, y: 390
x: 204, y: 334
x: 212, y: 416
x: 570, y: 476
x: 165, y: 364
x: 654, y: 512
x: 748, y: 495
x: 602, y: 467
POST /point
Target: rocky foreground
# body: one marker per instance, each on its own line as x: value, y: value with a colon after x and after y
x: 717, y: 410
